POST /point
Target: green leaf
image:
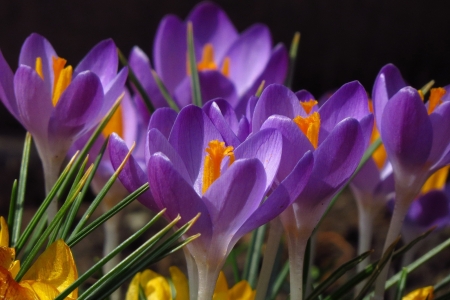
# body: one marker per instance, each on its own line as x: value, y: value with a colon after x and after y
x: 426, y: 88
x: 253, y: 258
x: 441, y: 284
x: 337, y: 274
x: 136, y: 82
x: 20, y: 199
x: 195, y: 81
x: 401, y: 285
x: 165, y: 92
x: 141, y: 293
x: 12, y: 206
x: 293, y: 52
x: 260, y: 88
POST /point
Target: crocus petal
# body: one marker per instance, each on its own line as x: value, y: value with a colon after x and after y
x: 304, y: 95
x: 163, y: 120
x: 77, y: 109
x: 180, y: 282
x: 406, y: 130
x: 388, y: 82
x: 4, y: 233
x: 295, y: 143
x: 275, y: 72
x: 213, y: 84
x: 214, y: 113
x: 226, y: 110
x: 37, y: 46
x: 140, y: 64
x: 102, y: 60
x: 429, y: 210
x: 190, y: 135
x: 266, y: 146
x: 169, y: 51
x: 276, y: 100
x: 7, y: 95
x: 238, y: 192
x: 281, y: 198
x: 33, y: 101
x: 56, y: 267
x: 243, y: 129
x: 348, y: 101
x: 170, y: 188
x: 248, y: 56
x: 10, y: 289
x: 132, y: 176
x: 212, y: 25
x: 113, y: 91
x: 440, y: 121
x: 367, y: 178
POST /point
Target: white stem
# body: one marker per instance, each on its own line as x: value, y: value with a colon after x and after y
x: 297, y: 247
x: 51, y: 173
x: 402, y: 201
x: 207, y: 279
x: 192, y: 274
x: 365, y: 220
x: 309, y: 279
x: 272, y: 245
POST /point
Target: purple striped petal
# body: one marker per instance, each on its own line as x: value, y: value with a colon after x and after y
x: 304, y: 95
x: 243, y: 129
x: 226, y: 110
x: 388, y: 82
x: 276, y: 100
x: 212, y: 25
x: 132, y: 176
x: 406, y: 131
x: 169, y: 51
x: 77, y: 109
x: 265, y: 145
x: 34, y: 101
x: 102, y: 60
x: 7, y: 95
x: 177, y: 196
x: 440, y: 121
x: 37, y: 46
x: 113, y: 91
x: 429, y: 210
x: 214, y: 113
x: 248, y: 56
x: 163, y: 120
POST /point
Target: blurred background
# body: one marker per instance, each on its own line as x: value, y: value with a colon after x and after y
x: 341, y: 41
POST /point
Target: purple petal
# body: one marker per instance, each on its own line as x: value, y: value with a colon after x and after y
x: 113, y: 91
x: 440, y: 121
x: 248, y: 56
x: 367, y: 178
x: 7, y: 95
x: 237, y: 193
x: 243, y: 129
x: 388, y: 82
x: 249, y: 109
x: 37, y: 46
x: 429, y: 210
x: 177, y: 196
x: 275, y: 72
x: 265, y: 145
x: 304, y: 95
x: 227, y: 111
x: 77, y: 109
x: 276, y: 100
x: 350, y: 101
x: 34, y: 101
x: 132, y: 176
x: 169, y: 51
x: 214, y: 113
x: 101, y: 60
x: 406, y: 130
x: 140, y: 64
x: 295, y: 143
x: 281, y: 198
x: 212, y: 25
x: 163, y: 120
x: 191, y: 133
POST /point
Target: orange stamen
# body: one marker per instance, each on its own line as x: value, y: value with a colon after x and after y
x: 435, y: 98
x: 38, y: 67
x: 308, y: 105
x: 207, y: 62
x: 226, y: 67
x: 115, y: 124
x: 436, y: 181
x: 310, y: 126
x: 62, y: 78
x: 216, y: 153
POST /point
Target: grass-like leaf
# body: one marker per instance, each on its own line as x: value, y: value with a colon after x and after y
x: 337, y: 274
x: 12, y: 206
x: 260, y: 88
x: 426, y: 88
x: 401, y: 285
x: 165, y: 92
x: 293, y: 52
x: 20, y: 199
x: 136, y: 82
x: 253, y: 258
x: 195, y: 81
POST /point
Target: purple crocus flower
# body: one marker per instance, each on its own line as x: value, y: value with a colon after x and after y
x: 231, y: 65
x: 192, y: 170
x: 415, y: 137
x: 58, y: 105
x: 338, y: 133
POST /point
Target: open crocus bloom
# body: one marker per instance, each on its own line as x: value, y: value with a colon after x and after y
x: 425, y: 293
x: 52, y: 272
x: 55, y: 103
x: 231, y: 65
x: 191, y: 170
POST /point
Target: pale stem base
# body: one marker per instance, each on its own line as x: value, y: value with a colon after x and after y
x: 297, y: 246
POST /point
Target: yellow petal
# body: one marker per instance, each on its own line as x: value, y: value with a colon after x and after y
x: 6, y: 257
x: 148, y: 275
x: 133, y: 288
x: 425, y: 293
x: 43, y: 291
x: 14, y: 268
x: 11, y: 290
x: 158, y: 289
x: 242, y: 291
x: 4, y: 233
x: 221, y: 290
x: 56, y: 267
x: 180, y: 282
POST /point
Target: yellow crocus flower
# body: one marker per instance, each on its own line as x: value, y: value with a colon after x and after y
x: 425, y: 293
x: 52, y: 272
